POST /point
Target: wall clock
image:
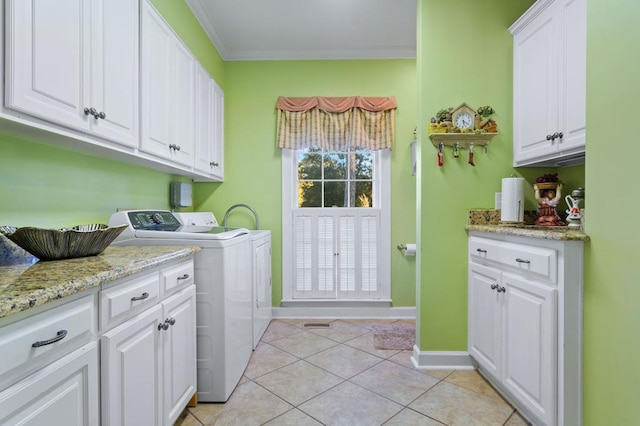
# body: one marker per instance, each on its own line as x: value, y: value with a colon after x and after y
x: 463, y: 117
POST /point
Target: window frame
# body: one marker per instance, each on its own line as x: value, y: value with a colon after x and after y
x: 381, y: 200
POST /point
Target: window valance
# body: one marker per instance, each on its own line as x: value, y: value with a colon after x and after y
x: 336, y: 123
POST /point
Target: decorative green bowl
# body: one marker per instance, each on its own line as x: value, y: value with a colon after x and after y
x: 66, y: 243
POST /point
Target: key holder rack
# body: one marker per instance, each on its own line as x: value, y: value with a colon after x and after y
x: 464, y: 140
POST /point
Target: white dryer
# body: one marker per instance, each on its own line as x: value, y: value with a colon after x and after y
x: 224, y: 281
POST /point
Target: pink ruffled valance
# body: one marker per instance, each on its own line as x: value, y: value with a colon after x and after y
x: 336, y: 124
x: 338, y: 104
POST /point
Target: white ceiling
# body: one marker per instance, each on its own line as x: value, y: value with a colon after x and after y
x: 249, y: 30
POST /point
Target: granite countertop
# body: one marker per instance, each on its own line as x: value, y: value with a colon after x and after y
x: 489, y: 221
x: 26, y: 282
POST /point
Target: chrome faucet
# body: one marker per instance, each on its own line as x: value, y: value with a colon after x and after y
x: 251, y: 209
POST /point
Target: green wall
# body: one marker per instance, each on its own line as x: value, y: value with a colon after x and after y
x: 253, y: 163
x: 612, y: 290
x: 470, y: 63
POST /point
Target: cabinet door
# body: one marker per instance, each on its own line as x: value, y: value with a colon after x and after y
x: 131, y: 371
x: 47, y: 60
x: 217, y: 152
x: 573, y: 84
x: 535, y: 81
x: 485, y: 313
x: 65, y: 393
x: 204, y: 115
x: 209, y: 116
x: 157, y: 72
x: 179, y: 353
x: 530, y: 367
x: 183, y: 103
x: 115, y: 69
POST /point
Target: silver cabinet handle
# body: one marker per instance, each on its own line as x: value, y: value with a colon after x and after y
x: 501, y: 289
x: 171, y: 321
x: 184, y: 277
x: 481, y: 250
x: 522, y: 260
x: 494, y: 286
x: 143, y: 296
x: 163, y: 326
x: 59, y: 336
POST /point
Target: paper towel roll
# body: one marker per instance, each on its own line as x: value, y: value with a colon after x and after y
x: 410, y: 250
x: 512, y: 207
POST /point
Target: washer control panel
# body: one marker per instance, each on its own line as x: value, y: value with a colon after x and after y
x: 153, y: 220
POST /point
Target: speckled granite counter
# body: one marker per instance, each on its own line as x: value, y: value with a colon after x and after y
x: 26, y: 283
x: 489, y: 221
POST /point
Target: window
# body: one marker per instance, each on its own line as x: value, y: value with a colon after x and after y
x: 334, y: 178
x: 336, y: 235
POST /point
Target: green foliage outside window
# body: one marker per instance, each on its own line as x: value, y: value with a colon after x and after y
x: 335, y: 179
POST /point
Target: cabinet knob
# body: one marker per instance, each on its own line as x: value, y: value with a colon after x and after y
x: 171, y: 321
x: 214, y: 164
x: 501, y: 289
x: 549, y: 137
x: 163, y: 326
x: 494, y: 286
x: 172, y: 146
x: 101, y: 114
x: 560, y: 135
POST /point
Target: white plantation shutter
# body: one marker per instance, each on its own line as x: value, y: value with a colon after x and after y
x: 336, y: 254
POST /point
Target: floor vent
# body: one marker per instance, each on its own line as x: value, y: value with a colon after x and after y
x: 317, y: 325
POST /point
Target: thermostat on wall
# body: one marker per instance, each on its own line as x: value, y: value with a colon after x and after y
x: 180, y: 194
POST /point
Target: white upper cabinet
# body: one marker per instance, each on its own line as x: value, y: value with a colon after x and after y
x: 209, y: 125
x: 168, y: 91
x: 549, y: 107
x: 115, y: 70
x: 75, y: 63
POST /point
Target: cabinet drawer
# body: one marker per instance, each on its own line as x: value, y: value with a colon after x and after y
x: 54, y: 332
x: 129, y: 298
x: 526, y: 258
x: 176, y: 277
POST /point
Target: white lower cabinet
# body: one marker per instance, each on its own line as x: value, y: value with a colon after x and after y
x: 148, y: 362
x: 64, y: 393
x: 525, y: 316
x: 131, y: 363
x: 179, y: 353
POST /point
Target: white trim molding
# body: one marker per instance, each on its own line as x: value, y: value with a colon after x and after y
x: 441, y: 360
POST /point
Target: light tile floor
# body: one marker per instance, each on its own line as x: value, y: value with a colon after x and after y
x: 309, y: 376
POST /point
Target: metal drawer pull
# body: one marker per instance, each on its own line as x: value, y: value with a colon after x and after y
x: 502, y: 289
x: 184, y: 277
x: 522, y: 260
x: 59, y: 336
x: 481, y: 250
x: 144, y: 296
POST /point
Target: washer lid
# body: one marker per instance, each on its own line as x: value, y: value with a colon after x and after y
x: 216, y: 233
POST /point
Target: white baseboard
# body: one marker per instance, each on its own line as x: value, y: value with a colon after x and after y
x: 441, y: 360
x: 408, y: 312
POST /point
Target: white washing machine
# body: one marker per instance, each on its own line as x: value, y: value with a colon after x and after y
x: 224, y: 281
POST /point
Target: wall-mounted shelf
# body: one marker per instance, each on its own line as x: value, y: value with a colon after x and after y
x: 462, y: 139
